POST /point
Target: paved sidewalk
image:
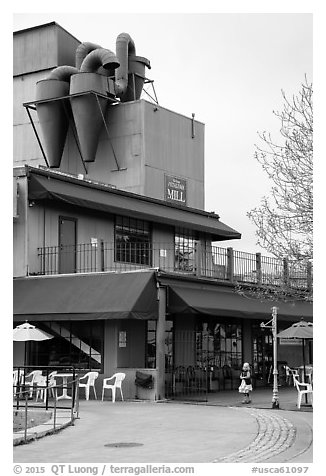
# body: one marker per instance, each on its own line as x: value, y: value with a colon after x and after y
x: 221, y: 430
x: 260, y: 398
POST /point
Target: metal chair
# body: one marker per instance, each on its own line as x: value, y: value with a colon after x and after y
x: 90, y: 382
x: 118, y: 379
x: 300, y: 388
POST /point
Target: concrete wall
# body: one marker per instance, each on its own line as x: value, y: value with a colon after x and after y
x: 20, y: 242
x: 148, y: 143
x: 115, y: 360
x: 171, y: 149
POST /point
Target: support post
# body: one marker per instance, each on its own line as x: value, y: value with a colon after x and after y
x: 160, y: 344
x: 258, y: 269
x: 230, y: 264
x: 272, y: 324
x: 275, y: 402
x: 198, y: 260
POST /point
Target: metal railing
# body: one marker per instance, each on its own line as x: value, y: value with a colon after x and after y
x: 25, y: 394
x: 222, y: 264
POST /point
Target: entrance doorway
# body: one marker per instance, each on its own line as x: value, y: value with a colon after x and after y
x: 67, y: 244
x: 262, y: 355
x: 205, y: 360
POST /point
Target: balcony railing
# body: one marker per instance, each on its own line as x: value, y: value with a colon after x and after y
x: 224, y: 264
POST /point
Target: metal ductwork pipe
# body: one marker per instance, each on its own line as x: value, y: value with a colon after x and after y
x: 131, y: 73
x: 89, y: 110
x: 125, y: 46
x: 136, y: 77
x: 83, y: 50
x: 97, y: 58
x: 52, y: 116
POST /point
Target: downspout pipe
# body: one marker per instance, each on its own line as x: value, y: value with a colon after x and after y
x: 125, y: 47
x: 97, y: 58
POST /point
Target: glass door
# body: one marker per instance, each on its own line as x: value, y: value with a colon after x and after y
x: 262, y: 355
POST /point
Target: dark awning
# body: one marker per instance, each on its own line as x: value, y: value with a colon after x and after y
x: 51, y: 186
x: 216, y: 301
x: 80, y: 297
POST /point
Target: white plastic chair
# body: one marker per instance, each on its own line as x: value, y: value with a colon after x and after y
x: 41, y: 388
x: 291, y: 373
x: 300, y: 388
x: 46, y: 384
x: 118, y: 379
x: 18, y: 380
x: 31, y: 379
x: 15, y: 380
x: 91, y: 377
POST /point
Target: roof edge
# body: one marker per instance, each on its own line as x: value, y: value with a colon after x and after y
x: 109, y: 188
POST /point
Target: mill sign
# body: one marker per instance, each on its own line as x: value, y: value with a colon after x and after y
x: 175, y: 190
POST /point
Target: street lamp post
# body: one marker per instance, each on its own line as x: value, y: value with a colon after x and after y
x: 272, y: 324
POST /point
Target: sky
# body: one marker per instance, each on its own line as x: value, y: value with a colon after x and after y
x: 227, y: 68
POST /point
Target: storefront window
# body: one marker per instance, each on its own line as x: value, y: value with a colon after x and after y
x: 262, y: 354
x: 151, y: 345
x: 132, y: 241
x: 168, y: 345
x: 219, y: 345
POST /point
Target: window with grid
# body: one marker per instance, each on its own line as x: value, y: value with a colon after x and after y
x: 79, y: 343
x: 184, y: 250
x: 132, y: 241
x: 150, y: 358
x: 220, y: 344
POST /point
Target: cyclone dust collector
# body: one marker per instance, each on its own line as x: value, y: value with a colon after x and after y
x: 100, y: 77
x: 52, y: 115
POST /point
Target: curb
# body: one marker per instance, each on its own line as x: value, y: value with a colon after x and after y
x: 36, y: 432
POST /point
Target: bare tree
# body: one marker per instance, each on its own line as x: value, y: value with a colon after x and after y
x: 284, y: 219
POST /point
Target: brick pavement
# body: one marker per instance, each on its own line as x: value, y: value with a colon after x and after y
x: 275, y: 434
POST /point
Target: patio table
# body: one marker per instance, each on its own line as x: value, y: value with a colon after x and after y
x: 64, y: 377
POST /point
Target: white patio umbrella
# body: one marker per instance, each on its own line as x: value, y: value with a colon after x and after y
x: 26, y: 332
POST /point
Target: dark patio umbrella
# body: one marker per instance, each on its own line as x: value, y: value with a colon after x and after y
x: 300, y: 330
